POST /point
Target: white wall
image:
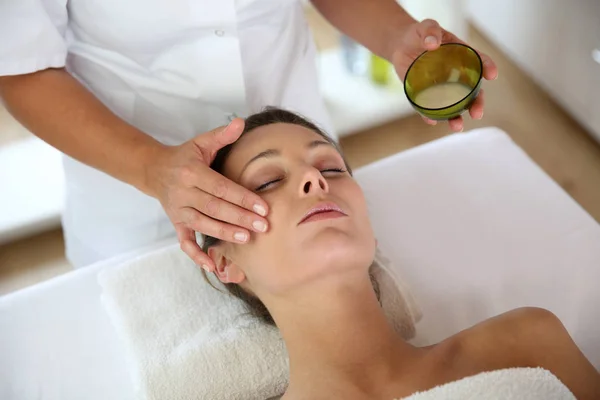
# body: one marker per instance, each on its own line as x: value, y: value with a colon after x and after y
x: 451, y: 14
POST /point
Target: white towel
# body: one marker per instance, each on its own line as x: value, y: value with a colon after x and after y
x: 187, y: 340
x: 504, y: 384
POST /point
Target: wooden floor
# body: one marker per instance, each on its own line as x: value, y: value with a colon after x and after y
x: 552, y: 139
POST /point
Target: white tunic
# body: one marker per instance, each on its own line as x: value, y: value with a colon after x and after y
x: 172, y: 68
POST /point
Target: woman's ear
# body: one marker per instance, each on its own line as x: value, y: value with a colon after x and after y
x: 227, y: 271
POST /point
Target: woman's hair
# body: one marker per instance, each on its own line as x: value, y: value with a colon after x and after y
x: 270, y: 115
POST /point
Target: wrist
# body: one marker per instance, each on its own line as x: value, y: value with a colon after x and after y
x: 148, y: 159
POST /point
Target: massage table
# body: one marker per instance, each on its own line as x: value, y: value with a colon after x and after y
x: 476, y: 227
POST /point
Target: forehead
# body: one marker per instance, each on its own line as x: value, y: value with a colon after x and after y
x: 286, y: 138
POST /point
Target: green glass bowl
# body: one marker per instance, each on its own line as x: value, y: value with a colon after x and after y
x: 450, y: 63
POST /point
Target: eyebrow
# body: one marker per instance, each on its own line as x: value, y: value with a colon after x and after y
x: 275, y: 153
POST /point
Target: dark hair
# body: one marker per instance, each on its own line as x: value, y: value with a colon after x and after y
x: 270, y: 115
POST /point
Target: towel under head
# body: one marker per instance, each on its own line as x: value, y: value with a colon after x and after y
x: 187, y: 340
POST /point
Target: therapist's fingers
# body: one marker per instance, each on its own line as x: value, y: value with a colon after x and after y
x: 429, y: 121
x: 189, y: 245
x: 490, y: 70
x: 222, y: 210
x: 211, y: 227
x: 218, y: 186
x: 209, y: 181
x: 456, y: 124
x: 430, y: 34
x: 210, y: 142
x: 476, y: 109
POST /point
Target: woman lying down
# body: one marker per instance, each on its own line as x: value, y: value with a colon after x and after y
x: 309, y: 275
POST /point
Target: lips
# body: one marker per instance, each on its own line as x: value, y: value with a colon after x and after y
x: 325, y: 210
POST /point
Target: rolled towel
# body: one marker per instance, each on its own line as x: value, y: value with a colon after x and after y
x: 397, y: 301
x: 504, y: 384
x: 187, y: 340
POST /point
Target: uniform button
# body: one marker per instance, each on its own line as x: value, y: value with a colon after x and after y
x: 219, y: 32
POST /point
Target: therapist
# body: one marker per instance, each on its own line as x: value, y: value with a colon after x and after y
x: 126, y: 89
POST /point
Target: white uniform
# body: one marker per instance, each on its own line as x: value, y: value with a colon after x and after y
x: 172, y: 68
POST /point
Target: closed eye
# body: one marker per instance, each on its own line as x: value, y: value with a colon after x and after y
x: 266, y: 185
x: 337, y: 170
x: 270, y: 183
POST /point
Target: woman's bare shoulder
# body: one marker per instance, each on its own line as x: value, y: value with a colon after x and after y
x: 529, y: 337
x: 504, y: 341
x: 514, y: 338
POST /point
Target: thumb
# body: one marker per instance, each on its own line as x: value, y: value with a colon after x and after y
x: 430, y: 34
x: 213, y: 141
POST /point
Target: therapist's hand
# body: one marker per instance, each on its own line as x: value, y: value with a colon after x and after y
x: 426, y: 36
x: 196, y: 198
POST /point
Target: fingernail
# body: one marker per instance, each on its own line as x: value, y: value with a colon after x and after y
x: 431, y: 40
x: 259, y: 226
x: 205, y: 267
x: 240, y: 236
x: 260, y: 210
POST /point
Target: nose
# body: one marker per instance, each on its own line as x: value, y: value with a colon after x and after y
x: 313, y: 183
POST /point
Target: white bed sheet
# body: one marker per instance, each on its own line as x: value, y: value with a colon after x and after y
x: 478, y: 228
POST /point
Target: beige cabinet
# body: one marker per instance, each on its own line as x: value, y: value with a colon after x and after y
x: 595, y: 93
x: 581, y: 95
x: 554, y: 41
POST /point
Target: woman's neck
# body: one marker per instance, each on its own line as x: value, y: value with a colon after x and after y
x: 338, y: 339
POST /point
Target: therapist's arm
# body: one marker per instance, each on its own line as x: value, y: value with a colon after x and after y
x: 62, y: 112
x: 387, y: 30
x: 58, y: 109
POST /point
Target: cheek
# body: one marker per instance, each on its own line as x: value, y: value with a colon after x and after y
x: 355, y: 197
x: 259, y: 260
x: 260, y: 251
x: 266, y: 251
x: 361, y: 212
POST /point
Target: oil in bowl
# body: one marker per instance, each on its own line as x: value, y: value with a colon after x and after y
x: 442, y: 94
x: 443, y: 83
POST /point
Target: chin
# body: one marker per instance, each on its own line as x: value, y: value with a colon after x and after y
x: 337, y: 248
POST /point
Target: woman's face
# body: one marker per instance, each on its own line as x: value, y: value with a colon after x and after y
x: 318, y: 222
